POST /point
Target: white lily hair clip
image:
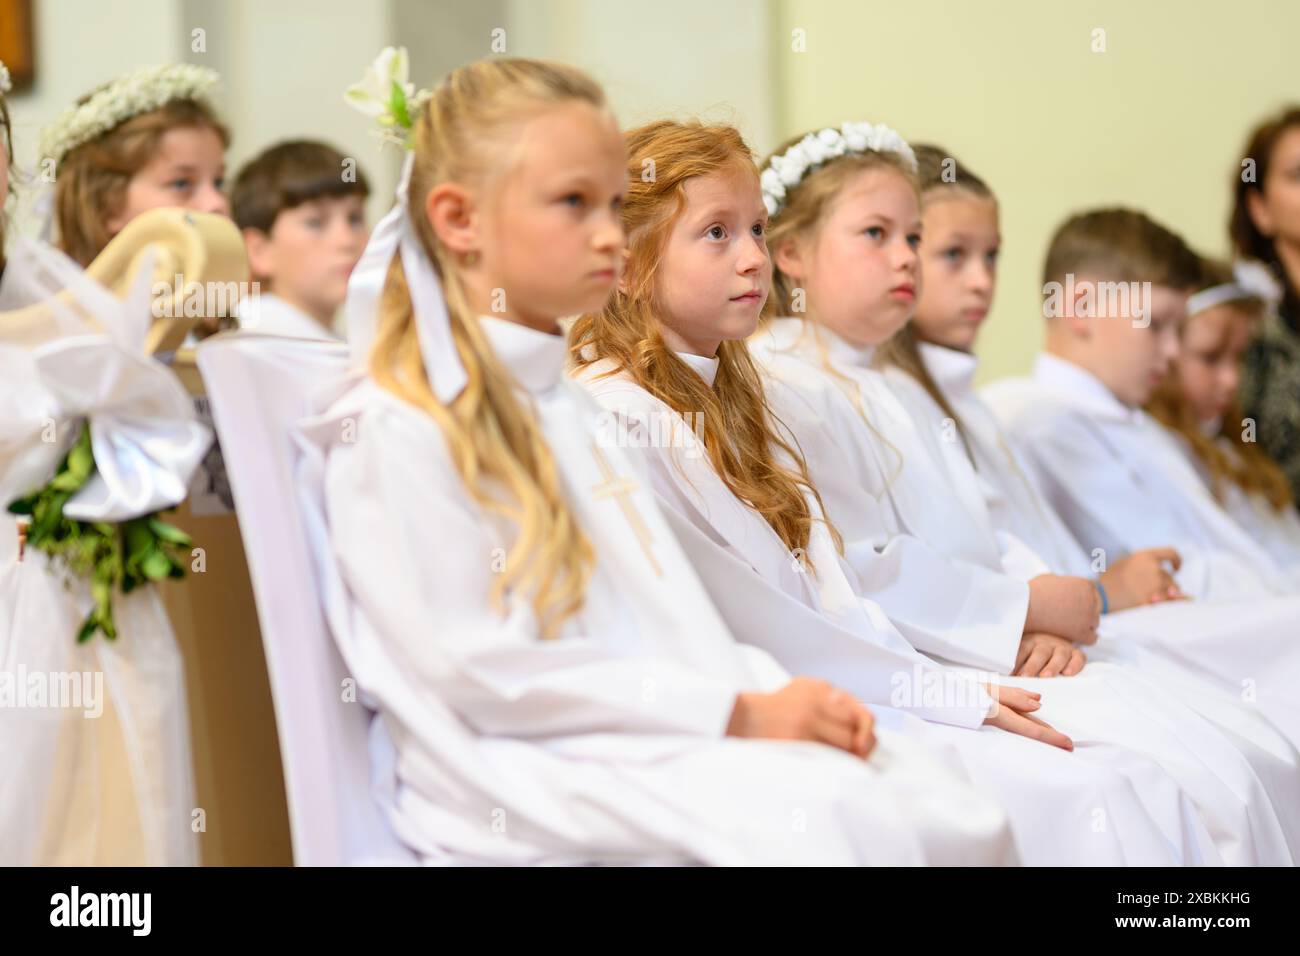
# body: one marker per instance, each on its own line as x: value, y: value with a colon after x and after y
x: 386, y: 94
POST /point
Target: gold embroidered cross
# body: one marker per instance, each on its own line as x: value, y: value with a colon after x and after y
x: 620, y: 488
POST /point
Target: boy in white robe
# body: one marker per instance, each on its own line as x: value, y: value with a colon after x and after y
x: 1117, y: 285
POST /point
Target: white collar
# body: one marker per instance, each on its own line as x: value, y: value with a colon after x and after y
x: 705, y: 366
x: 1081, y: 388
x: 796, y: 333
x: 536, y: 359
x: 272, y: 315
x: 953, y: 370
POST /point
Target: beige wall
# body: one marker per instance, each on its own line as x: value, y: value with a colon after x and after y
x: 703, y: 58
x: 1011, y: 87
x: 1014, y: 90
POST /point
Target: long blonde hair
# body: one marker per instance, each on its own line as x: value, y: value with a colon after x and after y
x: 741, y: 434
x: 1248, y: 467
x: 494, y: 440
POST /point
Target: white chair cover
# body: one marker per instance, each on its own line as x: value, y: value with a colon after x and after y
x: 334, y: 752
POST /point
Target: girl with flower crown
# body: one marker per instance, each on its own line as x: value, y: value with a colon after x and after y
x: 845, y: 237
x: 146, y: 140
x: 554, y: 678
x: 96, y: 438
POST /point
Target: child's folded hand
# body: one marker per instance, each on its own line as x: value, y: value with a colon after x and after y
x: 1046, y: 655
x: 1144, y: 577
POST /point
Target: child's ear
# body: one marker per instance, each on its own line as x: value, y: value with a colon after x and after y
x: 261, y: 253
x: 451, y: 212
x: 1258, y: 212
x: 788, y: 257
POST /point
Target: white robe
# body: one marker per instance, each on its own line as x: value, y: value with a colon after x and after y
x: 1246, y: 648
x: 1054, y: 799
x: 1118, y: 480
x: 1172, y: 644
x: 606, y: 743
x: 1277, y: 532
x: 889, y: 465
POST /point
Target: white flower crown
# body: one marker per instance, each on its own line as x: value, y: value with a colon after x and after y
x: 6, y: 81
x: 118, y: 101
x: 785, y: 171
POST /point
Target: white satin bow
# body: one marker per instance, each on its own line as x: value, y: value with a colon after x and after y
x: 144, y: 432
x: 395, y: 235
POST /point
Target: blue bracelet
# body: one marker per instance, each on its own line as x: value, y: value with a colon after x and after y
x: 1105, y: 601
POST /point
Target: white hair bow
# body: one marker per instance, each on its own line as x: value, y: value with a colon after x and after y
x: 146, y: 437
x: 395, y: 235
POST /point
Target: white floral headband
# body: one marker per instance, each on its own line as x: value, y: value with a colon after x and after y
x: 125, y: 97
x: 785, y: 171
x: 6, y: 81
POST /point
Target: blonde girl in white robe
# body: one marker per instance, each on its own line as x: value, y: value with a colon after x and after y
x: 554, y: 680
x: 1197, y: 402
x: 672, y: 341
x: 845, y: 241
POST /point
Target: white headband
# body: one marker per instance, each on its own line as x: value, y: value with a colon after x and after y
x: 1216, y: 295
x: 785, y: 171
x: 395, y: 235
x: 1251, y: 280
